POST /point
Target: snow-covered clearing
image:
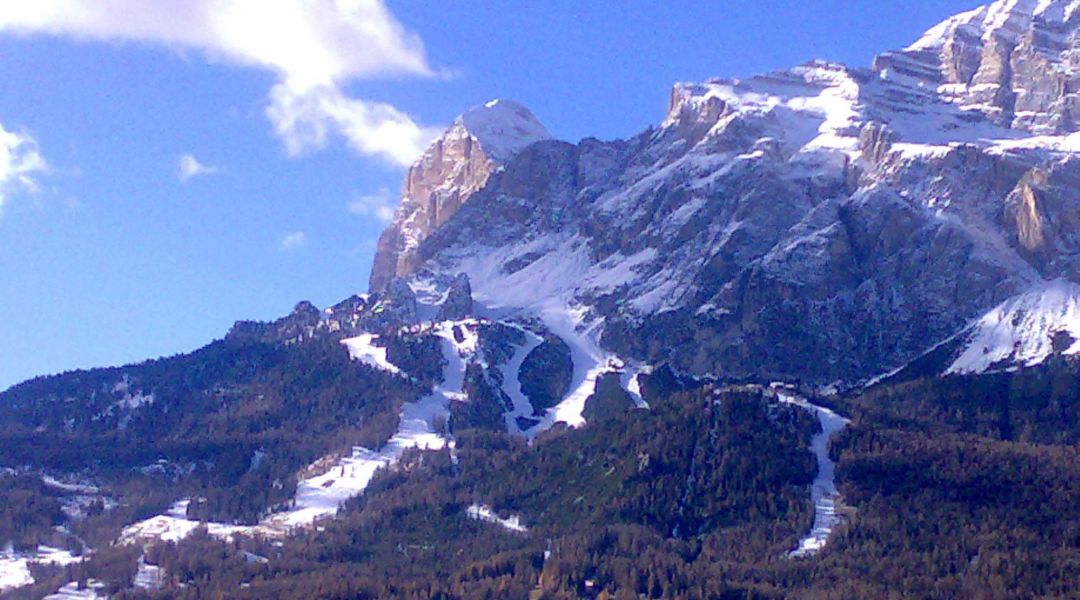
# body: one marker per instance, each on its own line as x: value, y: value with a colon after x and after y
x: 363, y: 349
x: 149, y: 577
x: 484, y: 513
x: 15, y: 567
x: 71, y: 591
x: 174, y: 526
x: 14, y: 572
x: 823, y: 492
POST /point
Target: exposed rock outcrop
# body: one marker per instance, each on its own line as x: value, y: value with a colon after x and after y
x: 299, y: 325
x: 453, y: 168
x: 1013, y: 60
x: 608, y: 401
x: 546, y: 373
x: 459, y: 302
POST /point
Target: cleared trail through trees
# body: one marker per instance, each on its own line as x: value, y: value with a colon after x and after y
x: 823, y: 492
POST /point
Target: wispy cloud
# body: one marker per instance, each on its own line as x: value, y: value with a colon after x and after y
x: 314, y: 47
x: 20, y: 163
x: 294, y: 241
x: 189, y: 167
x: 379, y: 206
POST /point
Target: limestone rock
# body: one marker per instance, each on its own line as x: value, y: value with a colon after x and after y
x: 459, y: 301
x: 453, y: 168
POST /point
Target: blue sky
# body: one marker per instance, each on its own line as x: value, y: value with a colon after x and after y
x: 109, y: 254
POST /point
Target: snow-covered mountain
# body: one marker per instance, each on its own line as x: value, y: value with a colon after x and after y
x: 825, y: 223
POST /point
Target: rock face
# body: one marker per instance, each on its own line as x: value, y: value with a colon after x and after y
x: 401, y: 300
x: 546, y: 374
x: 1013, y: 60
x: 608, y: 401
x: 824, y: 223
x: 453, y: 168
x: 458, y: 303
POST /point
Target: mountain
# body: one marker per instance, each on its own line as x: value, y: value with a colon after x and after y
x: 862, y: 216
x: 813, y: 335
x: 455, y: 166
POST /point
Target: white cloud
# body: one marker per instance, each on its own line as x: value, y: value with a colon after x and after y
x: 20, y: 161
x: 190, y: 167
x: 304, y: 121
x: 314, y: 47
x: 294, y: 240
x: 379, y: 205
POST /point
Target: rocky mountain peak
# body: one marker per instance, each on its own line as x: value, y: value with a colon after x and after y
x: 503, y: 128
x: 1007, y: 20
x: 479, y: 142
x: 1013, y: 60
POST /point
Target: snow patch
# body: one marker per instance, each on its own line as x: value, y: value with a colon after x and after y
x: 484, y: 513
x: 149, y: 577
x: 174, y: 526
x: 511, y: 384
x: 14, y: 572
x: 628, y: 376
x: 70, y: 487
x: 47, y: 555
x: 15, y: 568
x: 363, y: 349
x: 71, y: 591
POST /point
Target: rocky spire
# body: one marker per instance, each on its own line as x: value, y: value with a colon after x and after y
x: 455, y: 166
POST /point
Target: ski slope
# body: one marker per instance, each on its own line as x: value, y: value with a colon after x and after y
x: 823, y: 492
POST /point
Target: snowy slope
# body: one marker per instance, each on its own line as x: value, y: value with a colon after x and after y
x: 546, y: 289
x: 363, y: 349
x: 1021, y: 331
x: 320, y: 496
x: 512, y: 383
